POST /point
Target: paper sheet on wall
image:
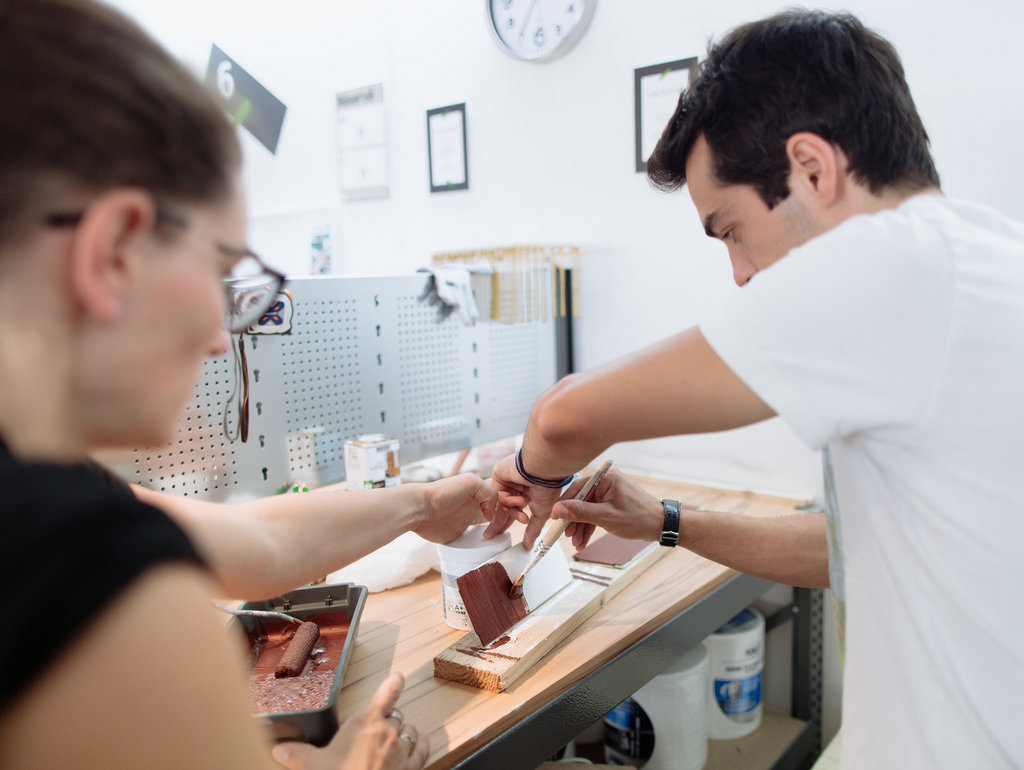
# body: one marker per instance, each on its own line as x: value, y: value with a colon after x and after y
x: 362, y: 144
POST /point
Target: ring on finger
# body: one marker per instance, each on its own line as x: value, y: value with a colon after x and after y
x: 408, y: 739
x: 397, y: 715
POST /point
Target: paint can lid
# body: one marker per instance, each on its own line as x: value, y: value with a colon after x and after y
x: 470, y: 546
x: 744, y: 620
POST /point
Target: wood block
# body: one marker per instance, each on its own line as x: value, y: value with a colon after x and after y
x: 496, y: 666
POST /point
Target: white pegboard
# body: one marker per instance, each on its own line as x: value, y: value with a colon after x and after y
x: 365, y: 355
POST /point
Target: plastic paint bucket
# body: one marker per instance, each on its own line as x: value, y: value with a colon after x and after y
x: 466, y: 552
x: 736, y: 656
x: 664, y: 725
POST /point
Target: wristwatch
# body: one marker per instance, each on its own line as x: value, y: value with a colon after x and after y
x: 670, y: 528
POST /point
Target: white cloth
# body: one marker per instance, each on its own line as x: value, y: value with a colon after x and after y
x: 897, y: 341
x: 451, y: 290
x: 396, y: 564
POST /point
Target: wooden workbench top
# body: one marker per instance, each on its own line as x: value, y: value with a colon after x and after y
x: 403, y: 629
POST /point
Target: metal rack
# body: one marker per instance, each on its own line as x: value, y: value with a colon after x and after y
x: 364, y: 355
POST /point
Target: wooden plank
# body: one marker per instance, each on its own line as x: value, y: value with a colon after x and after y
x: 499, y: 664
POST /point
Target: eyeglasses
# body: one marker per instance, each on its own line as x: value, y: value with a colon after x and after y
x: 251, y: 288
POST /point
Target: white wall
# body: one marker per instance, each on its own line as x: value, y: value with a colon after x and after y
x: 551, y: 155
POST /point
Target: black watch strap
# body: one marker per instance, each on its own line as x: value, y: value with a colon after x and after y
x: 670, y: 528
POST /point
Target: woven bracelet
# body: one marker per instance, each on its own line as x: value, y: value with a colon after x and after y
x: 549, y: 483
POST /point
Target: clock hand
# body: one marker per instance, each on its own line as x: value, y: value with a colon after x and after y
x: 522, y: 29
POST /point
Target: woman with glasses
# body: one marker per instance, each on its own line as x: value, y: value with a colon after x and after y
x: 123, y: 263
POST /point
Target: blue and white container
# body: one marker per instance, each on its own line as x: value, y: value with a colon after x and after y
x: 664, y: 725
x: 736, y: 657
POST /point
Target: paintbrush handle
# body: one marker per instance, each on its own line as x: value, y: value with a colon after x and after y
x: 260, y: 614
x: 556, y: 529
x: 551, y: 535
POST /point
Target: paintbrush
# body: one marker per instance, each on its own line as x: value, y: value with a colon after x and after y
x: 487, y: 594
x: 555, y: 530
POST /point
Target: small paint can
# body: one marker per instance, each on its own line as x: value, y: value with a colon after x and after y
x: 736, y: 656
x: 371, y: 462
x: 466, y: 552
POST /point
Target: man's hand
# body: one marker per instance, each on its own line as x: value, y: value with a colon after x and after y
x: 619, y: 505
x: 514, y: 494
x: 454, y: 504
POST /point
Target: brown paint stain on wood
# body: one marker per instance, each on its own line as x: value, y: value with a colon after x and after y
x: 484, y: 653
x: 581, y: 575
x: 611, y: 549
x: 485, y: 592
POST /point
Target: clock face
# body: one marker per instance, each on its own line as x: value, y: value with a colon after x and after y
x: 539, y: 30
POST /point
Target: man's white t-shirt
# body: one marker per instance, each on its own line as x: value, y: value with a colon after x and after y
x: 896, y: 340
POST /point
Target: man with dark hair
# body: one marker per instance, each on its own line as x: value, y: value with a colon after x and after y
x: 891, y: 336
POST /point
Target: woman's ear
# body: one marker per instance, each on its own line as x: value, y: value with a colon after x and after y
x: 103, y: 251
x: 815, y: 166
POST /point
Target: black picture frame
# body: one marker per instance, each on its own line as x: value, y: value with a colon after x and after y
x: 639, y: 75
x: 442, y: 144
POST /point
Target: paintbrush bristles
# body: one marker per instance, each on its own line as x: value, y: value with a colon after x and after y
x: 517, y: 588
x: 538, y: 553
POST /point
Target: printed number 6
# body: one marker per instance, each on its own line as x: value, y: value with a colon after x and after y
x: 225, y: 83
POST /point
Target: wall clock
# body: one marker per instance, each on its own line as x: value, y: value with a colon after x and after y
x: 539, y: 30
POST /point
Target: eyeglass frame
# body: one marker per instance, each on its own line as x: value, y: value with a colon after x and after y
x: 72, y: 219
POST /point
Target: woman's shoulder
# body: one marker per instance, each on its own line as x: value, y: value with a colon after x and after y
x: 73, y: 543
x: 69, y: 506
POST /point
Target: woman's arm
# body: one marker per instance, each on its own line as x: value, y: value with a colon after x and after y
x: 269, y: 546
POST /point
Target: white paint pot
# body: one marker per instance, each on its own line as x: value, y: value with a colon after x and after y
x: 736, y: 656
x: 466, y: 552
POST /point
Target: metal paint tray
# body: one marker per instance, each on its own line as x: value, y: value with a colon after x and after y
x: 327, y: 605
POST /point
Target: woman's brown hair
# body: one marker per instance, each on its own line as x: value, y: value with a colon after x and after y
x: 90, y: 100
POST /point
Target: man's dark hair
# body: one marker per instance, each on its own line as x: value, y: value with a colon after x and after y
x: 798, y: 71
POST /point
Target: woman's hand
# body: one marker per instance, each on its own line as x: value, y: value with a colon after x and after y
x: 375, y: 738
x: 454, y: 504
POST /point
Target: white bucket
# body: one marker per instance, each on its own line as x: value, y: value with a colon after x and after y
x: 736, y: 656
x: 466, y: 552
x: 664, y: 726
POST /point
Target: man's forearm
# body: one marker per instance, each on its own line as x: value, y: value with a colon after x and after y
x: 789, y: 549
x: 678, y: 386
x: 557, y: 440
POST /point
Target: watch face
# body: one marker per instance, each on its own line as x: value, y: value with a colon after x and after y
x: 539, y: 30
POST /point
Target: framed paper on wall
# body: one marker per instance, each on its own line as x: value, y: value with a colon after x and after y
x: 362, y: 143
x: 446, y: 148
x: 656, y: 94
